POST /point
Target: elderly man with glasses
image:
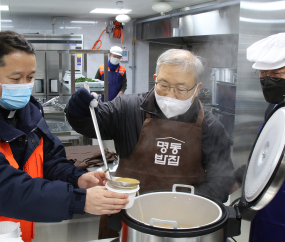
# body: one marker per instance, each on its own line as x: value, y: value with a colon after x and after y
x: 163, y: 136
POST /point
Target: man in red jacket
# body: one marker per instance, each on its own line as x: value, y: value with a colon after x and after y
x: 37, y: 182
x: 117, y: 77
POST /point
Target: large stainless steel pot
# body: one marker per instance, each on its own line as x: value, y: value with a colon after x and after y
x: 224, y: 74
x: 174, y: 216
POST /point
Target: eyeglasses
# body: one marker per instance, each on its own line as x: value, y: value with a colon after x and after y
x: 275, y: 75
x: 164, y: 88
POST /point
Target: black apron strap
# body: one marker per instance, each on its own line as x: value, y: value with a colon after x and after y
x: 147, y: 115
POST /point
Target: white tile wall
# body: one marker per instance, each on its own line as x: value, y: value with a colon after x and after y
x: 142, y: 56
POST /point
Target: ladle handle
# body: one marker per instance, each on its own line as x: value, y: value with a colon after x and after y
x: 155, y: 220
x: 94, y: 119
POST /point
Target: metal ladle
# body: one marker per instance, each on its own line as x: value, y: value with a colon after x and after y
x: 95, y: 123
x: 115, y: 183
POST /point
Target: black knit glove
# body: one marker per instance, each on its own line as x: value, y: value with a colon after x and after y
x: 78, y: 105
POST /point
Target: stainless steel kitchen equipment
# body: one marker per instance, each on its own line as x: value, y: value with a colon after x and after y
x: 203, y: 219
x: 47, y: 82
x: 224, y: 96
x: 174, y: 216
x: 170, y: 215
x: 222, y: 75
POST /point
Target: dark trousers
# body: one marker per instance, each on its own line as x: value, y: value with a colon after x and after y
x: 104, y: 231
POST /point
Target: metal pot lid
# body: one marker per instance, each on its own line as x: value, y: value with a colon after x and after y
x: 266, y: 167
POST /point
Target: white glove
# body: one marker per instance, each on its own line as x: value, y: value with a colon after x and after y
x: 94, y: 102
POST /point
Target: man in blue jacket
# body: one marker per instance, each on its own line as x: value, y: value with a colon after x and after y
x: 37, y: 182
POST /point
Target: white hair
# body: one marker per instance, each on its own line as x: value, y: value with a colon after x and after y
x: 184, y: 59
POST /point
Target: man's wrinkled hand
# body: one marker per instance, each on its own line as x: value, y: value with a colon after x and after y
x: 101, y: 201
x: 92, y: 179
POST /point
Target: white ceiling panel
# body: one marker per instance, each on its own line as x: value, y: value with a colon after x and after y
x: 81, y: 9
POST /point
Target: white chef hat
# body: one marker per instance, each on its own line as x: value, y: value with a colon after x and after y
x: 268, y: 53
x: 116, y: 50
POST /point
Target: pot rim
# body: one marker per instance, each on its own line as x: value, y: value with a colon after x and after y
x: 178, y: 233
x: 188, y: 194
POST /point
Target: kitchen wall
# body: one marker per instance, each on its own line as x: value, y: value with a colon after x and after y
x: 219, y: 55
x: 250, y: 104
x: 142, y: 63
x: 91, y: 32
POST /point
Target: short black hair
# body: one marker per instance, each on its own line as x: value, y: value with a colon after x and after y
x: 11, y: 42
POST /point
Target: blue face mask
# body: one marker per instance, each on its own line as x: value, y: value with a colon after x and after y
x: 15, y: 96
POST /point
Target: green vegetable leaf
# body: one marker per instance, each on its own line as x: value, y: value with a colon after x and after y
x: 83, y: 79
x: 106, y: 170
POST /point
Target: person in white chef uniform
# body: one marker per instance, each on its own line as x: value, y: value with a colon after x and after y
x: 268, y: 56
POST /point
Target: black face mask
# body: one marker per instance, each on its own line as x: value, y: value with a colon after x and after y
x: 273, y: 91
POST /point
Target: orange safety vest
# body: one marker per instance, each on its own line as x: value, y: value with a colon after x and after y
x: 120, y: 69
x: 34, y: 167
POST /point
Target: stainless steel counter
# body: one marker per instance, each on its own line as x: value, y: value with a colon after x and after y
x: 83, y: 228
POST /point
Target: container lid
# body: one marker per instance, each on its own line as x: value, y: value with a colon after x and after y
x: 265, y: 171
x: 122, y: 190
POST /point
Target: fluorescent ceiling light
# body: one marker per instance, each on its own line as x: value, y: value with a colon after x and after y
x: 259, y: 6
x: 6, y: 20
x: 69, y: 27
x: 122, y: 18
x: 162, y: 7
x: 111, y: 10
x: 263, y: 21
x: 4, y: 7
x: 7, y: 26
x: 84, y: 22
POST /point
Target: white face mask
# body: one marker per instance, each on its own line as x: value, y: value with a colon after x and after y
x: 114, y: 60
x: 172, y: 107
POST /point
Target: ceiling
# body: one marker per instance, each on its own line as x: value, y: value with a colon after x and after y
x: 81, y: 8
